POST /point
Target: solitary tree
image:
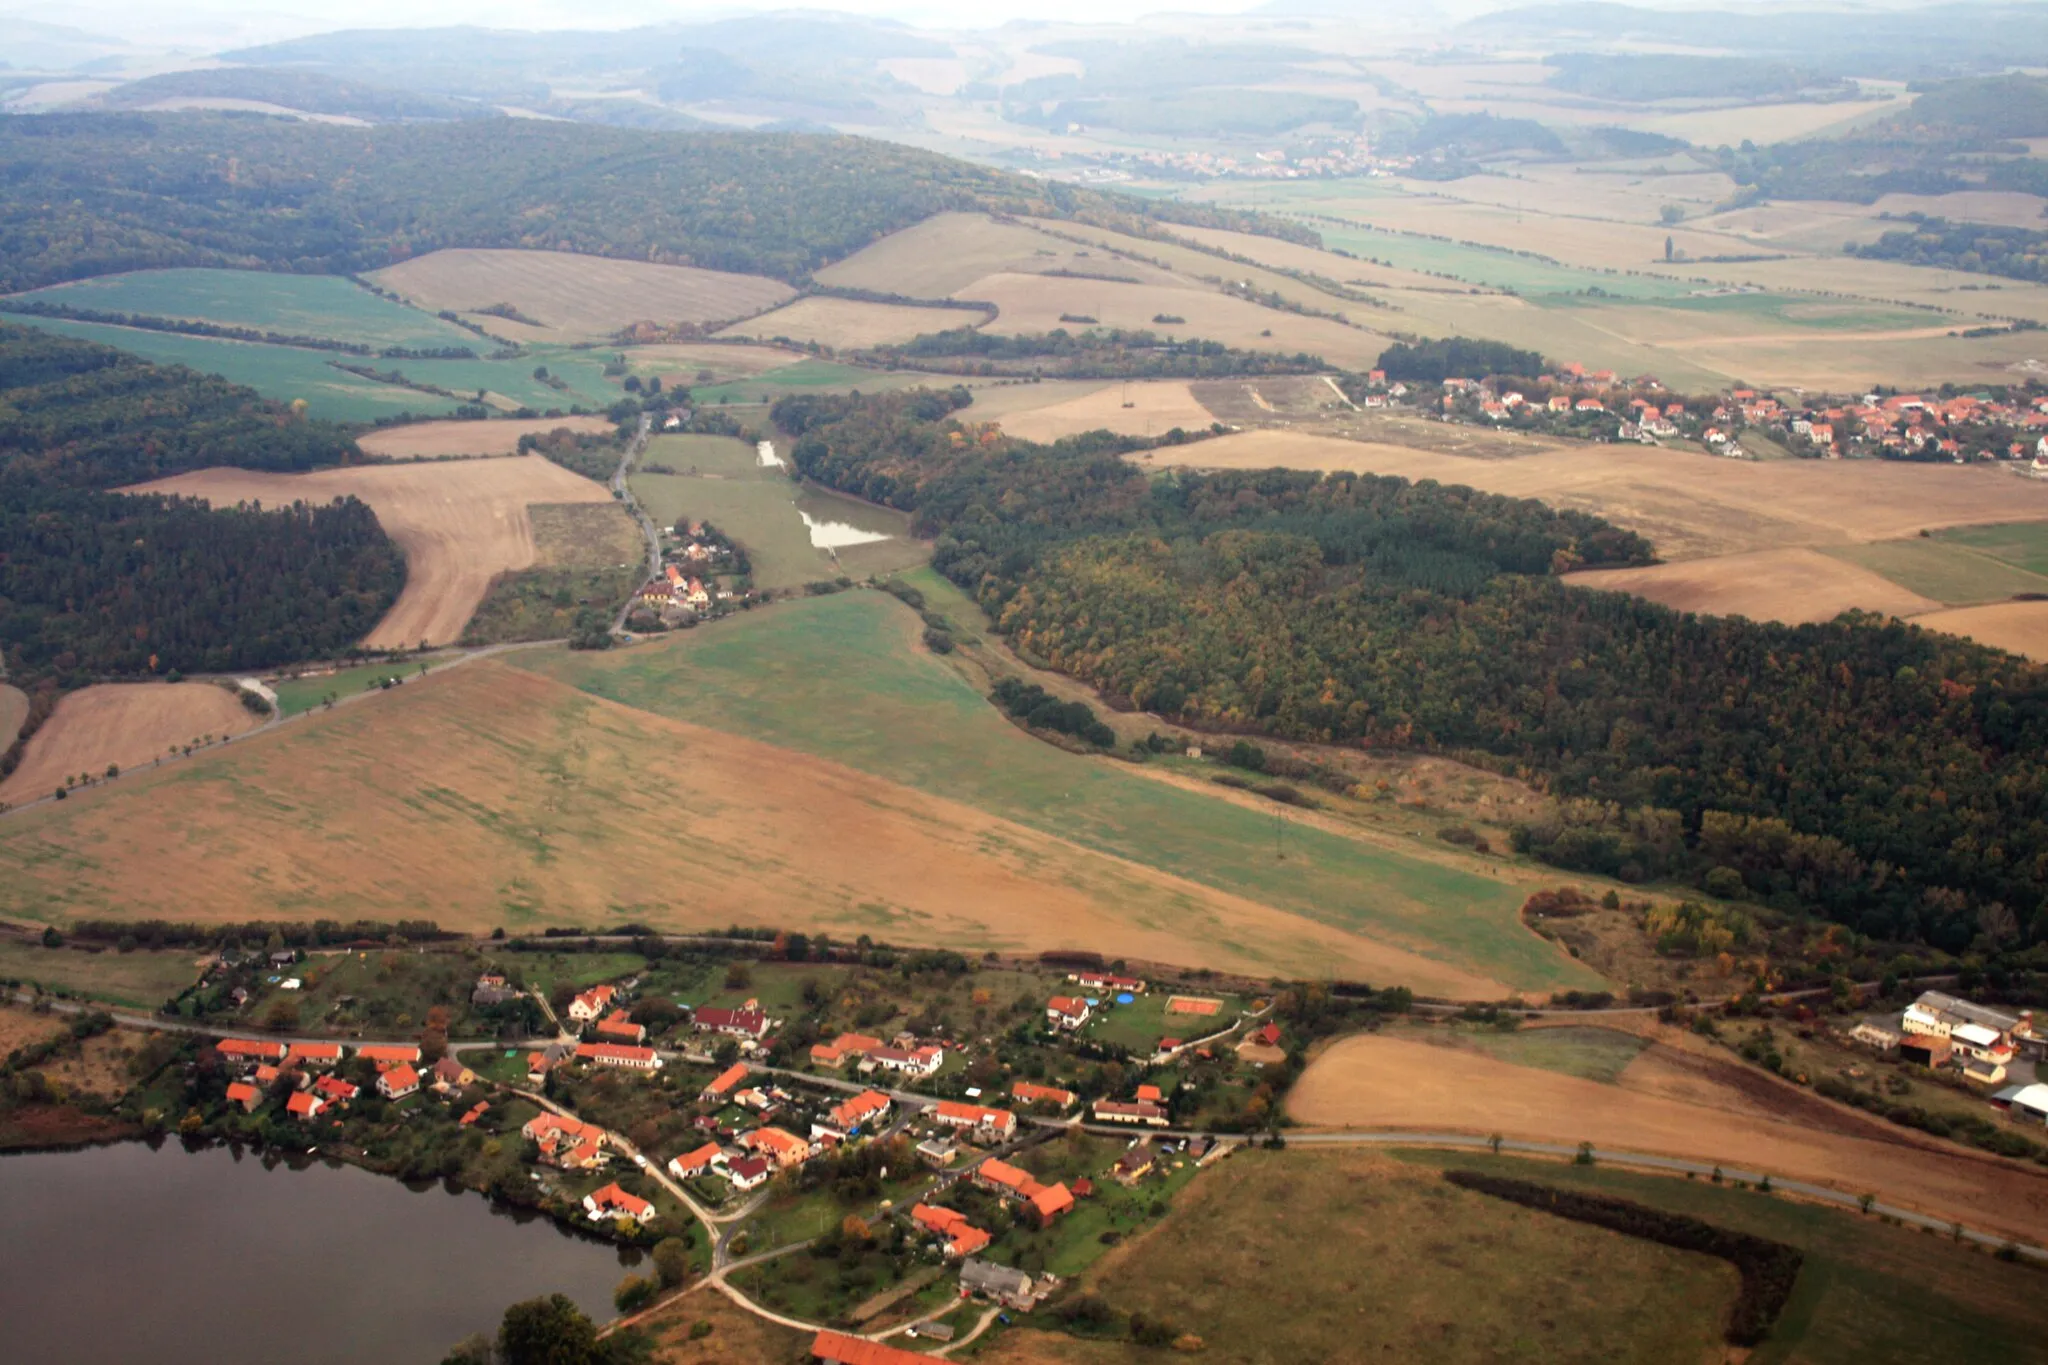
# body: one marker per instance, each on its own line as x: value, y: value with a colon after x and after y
x: 546, y: 1331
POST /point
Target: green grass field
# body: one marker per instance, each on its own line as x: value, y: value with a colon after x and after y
x: 139, y: 980
x: 297, y: 695
x: 839, y: 677
x: 1867, y: 1292
x: 807, y: 376
x: 1597, y: 1054
x: 1142, y: 1023
x: 721, y: 480
x: 326, y: 306
x: 2024, y: 545
x: 1949, y: 570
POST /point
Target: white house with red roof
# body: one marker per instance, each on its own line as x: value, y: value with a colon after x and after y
x: 1066, y: 1011
x: 591, y: 1005
x: 615, y: 1202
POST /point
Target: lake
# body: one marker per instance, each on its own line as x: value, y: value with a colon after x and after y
x: 207, y: 1258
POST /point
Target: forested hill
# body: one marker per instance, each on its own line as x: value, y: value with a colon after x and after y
x: 96, y: 584
x: 1887, y: 776
x: 89, y: 194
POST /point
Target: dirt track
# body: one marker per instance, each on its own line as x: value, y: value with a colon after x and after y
x: 460, y: 524
x: 1671, y: 1102
x: 126, y: 723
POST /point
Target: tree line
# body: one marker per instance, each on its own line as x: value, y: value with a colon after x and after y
x: 1886, y: 775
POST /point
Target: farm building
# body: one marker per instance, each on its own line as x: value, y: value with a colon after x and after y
x: 614, y: 1054
x: 617, y: 1028
x: 2024, y: 1101
x: 1027, y: 1092
x: 989, y: 1123
x: 1137, y: 1111
x: 722, y: 1085
x: 836, y: 1348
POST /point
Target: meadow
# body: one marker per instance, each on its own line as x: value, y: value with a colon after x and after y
x: 296, y: 696
x: 848, y: 323
x: 2024, y: 546
x: 326, y: 306
x: 140, y: 980
x: 838, y: 677
x: 125, y: 725
x: 1950, y: 571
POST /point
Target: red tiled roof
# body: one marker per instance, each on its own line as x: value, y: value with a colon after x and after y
x: 390, y: 1052
x: 845, y: 1350
x: 244, y: 1094
x: 1053, y: 1202
x: 613, y: 1052
x: 727, y: 1079
x: 302, y: 1104
x: 250, y: 1047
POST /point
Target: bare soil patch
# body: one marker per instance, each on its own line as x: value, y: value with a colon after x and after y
x: 130, y: 724
x: 2017, y: 627
x: 13, y: 711
x: 848, y: 323
x: 495, y: 436
x: 461, y: 524
x: 735, y: 1335
x: 1794, y: 586
x: 1667, y: 1103
x: 498, y: 796
x: 19, y: 1028
x: 1137, y: 410
x: 1691, y: 506
x: 576, y: 297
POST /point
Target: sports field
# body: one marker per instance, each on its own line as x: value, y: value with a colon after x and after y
x: 325, y: 306
x: 841, y: 678
x: 1674, y: 1099
x: 126, y: 724
x: 500, y: 797
x: 460, y: 523
x: 572, y: 297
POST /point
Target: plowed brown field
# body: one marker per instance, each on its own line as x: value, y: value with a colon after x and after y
x: 1671, y: 1102
x: 460, y: 524
x: 497, y: 436
x: 497, y: 796
x: 125, y: 723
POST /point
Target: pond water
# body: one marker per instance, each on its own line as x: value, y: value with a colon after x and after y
x: 208, y: 1258
x: 765, y: 453
x: 837, y: 535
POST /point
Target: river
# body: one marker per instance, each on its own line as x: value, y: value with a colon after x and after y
x: 206, y: 1258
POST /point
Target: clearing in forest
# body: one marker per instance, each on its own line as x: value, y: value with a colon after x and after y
x: 495, y: 436
x: 501, y: 797
x: 126, y: 724
x: 460, y: 523
x: 1672, y: 1100
x: 842, y: 677
x: 572, y: 297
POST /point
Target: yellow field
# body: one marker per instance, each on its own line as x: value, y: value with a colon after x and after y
x: 488, y: 795
x: 943, y: 255
x: 575, y: 297
x: 2018, y: 627
x: 1690, y: 505
x: 460, y: 523
x: 1791, y: 585
x: 130, y: 724
x: 1762, y: 124
x: 845, y: 323
x: 1144, y: 409
x: 680, y: 362
x: 2004, y: 207
x: 1670, y: 1100
x: 495, y: 436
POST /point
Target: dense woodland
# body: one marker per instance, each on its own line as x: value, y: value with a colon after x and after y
x: 1432, y: 362
x: 1885, y: 775
x: 1093, y: 353
x: 90, y: 194
x: 2017, y: 252
x: 95, y: 583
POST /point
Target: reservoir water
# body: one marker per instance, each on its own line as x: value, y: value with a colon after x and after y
x: 125, y: 1253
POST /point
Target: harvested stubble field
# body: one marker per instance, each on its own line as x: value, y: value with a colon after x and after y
x: 129, y: 724
x: 1035, y: 303
x: 849, y: 323
x: 1690, y: 505
x: 575, y: 297
x: 1794, y: 586
x: 501, y: 797
x: 495, y: 436
x: 1674, y: 1100
x: 843, y: 678
x: 2018, y: 627
x: 1149, y: 409
x: 13, y: 711
x: 460, y: 523
x: 946, y: 253
x: 1353, y: 1256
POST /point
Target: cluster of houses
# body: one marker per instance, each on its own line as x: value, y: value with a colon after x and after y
x: 612, y: 1038
x: 904, y: 1055
x: 305, y: 1070
x: 1944, y: 1031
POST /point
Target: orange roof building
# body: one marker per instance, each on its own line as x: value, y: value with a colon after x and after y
x: 1025, y: 1092
x: 615, y: 1202
x: 784, y: 1149
x: 866, y: 1105
x: 726, y: 1080
x: 1050, y: 1203
x: 304, y: 1106
x: 390, y: 1052
x: 837, y: 1348
x: 246, y: 1095
x: 618, y: 1054
x: 313, y: 1054
x: 251, y: 1049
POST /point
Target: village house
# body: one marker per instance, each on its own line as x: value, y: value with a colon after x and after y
x: 961, y: 1237
x: 699, y: 1162
x: 491, y: 989
x: 1011, y: 1288
x: 836, y: 1348
x: 567, y: 1143
x: 390, y: 1054
x: 1137, y: 1111
x: 1047, y: 1202
x: 748, y: 1173
x: 1104, y: 981
x: 923, y: 1061
x: 476, y: 1111
x: 1136, y: 1163
x: 614, y: 1202
x: 301, y: 1105
x: 613, y: 1054
x: 335, y: 1090
x: 591, y: 1005
x: 722, y: 1085
x: 616, y: 1027
x: 1066, y: 1011
x: 250, y: 1050
x: 313, y: 1054
x: 1028, y: 1092
x: 846, y: 1119
x: 938, y: 1152
x: 244, y: 1094
x: 539, y: 1064
x: 398, y: 1082
x: 747, y: 1022
x: 987, y: 1124
x: 847, y: 1045
x: 783, y: 1148
x: 1151, y: 1094
x: 450, y: 1074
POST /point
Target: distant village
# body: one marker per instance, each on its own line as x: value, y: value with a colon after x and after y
x: 694, y: 556
x: 2009, y: 426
